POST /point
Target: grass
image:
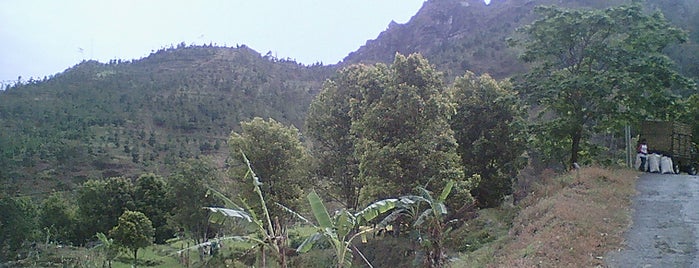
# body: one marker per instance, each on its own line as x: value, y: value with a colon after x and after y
x: 571, y: 220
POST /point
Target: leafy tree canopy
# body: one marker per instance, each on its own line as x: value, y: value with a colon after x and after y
x: 403, y: 136
x: 489, y: 129
x: 134, y: 231
x: 278, y: 158
x: 596, y: 67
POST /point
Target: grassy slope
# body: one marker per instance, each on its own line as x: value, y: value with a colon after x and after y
x: 566, y: 221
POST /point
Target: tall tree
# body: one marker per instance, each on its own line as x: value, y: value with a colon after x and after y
x: 151, y: 198
x: 100, y: 203
x: 329, y: 124
x: 404, y: 138
x: 488, y: 126
x: 17, y: 224
x: 134, y: 231
x: 189, y: 184
x: 278, y: 158
x: 57, y: 216
x: 591, y: 67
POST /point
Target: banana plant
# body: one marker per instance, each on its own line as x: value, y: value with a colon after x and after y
x: 110, y: 249
x: 428, y: 222
x: 262, y: 232
x: 341, y: 229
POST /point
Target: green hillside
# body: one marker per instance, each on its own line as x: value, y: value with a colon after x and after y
x: 124, y: 118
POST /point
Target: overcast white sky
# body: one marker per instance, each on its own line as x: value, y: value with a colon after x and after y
x: 41, y: 37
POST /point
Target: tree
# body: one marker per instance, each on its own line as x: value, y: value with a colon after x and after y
x: 489, y: 128
x: 278, y: 158
x: 134, y: 231
x: 17, y: 224
x: 594, y: 67
x: 189, y: 185
x: 57, y: 216
x: 151, y: 197
x: 404, y: 138
x: 100, y: 203
x: 329, y: 124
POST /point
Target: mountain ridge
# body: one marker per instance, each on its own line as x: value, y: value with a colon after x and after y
x: 125, y: 118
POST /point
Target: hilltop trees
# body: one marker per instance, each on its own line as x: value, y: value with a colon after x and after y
x: 591, y: 67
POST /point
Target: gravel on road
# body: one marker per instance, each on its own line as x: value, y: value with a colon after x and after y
x: 665, y: 227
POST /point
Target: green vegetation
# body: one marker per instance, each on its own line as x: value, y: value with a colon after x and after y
x: 401, y: 165
x: 279, y: 160
x: 134, y: 231
x: 598, y: 68
x: 490, y: 130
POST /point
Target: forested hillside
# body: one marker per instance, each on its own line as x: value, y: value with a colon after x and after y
x: 126, y: 117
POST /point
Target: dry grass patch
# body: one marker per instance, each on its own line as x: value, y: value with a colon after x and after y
x: 571, y: 220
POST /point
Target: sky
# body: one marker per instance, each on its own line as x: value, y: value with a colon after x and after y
x: 42, y: 37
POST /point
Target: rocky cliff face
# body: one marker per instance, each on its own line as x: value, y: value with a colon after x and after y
x: 461, y: 35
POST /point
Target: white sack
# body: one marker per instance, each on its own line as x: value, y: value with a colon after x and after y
x: 666, y: 165
x: 654, y: 163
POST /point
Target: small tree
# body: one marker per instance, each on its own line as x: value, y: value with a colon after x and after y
x: 134, y: 231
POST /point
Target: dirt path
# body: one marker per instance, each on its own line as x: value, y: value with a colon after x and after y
x: 665, y: 228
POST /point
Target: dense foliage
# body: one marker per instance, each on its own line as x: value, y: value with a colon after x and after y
x: 593, y: 68
x: 490, y: 130
x: 278, y: 158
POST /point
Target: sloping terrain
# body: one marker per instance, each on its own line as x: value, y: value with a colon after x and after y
x: 128, y: 117
x: 461, y: 35
x: 125, y: 118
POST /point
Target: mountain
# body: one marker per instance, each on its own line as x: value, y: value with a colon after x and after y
x: 124, y: 118
x: 461, y: 35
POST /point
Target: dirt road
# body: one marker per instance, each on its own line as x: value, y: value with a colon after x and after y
x: 665, y: 228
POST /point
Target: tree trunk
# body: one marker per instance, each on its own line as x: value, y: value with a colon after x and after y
x: 280, y: 240
x: 135, y: 257
x: 575, y: 137
x: 263, y: 261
